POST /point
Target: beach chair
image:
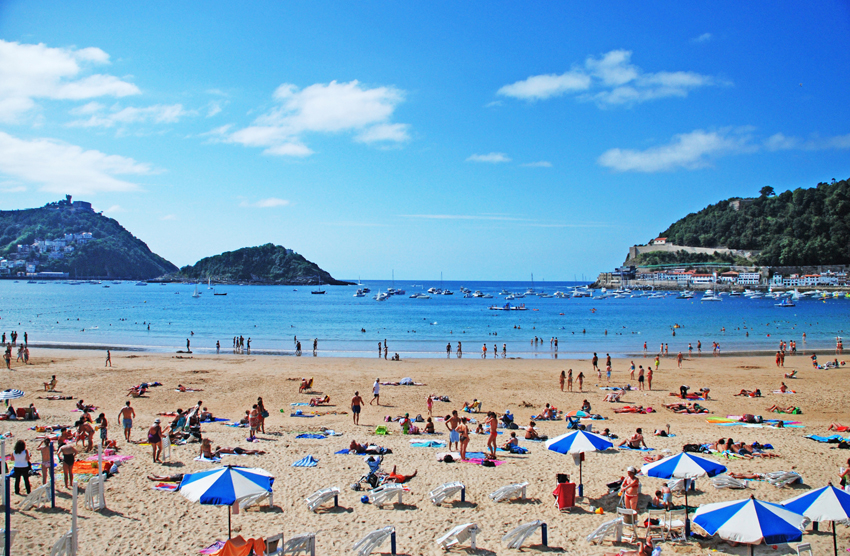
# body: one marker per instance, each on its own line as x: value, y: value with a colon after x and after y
x: 660, y: 525
x: 612, y: 528
x: 94, y: 494
x: 39, y: 497
x: 274, y: 545
x: 303, y: 542
x: 629, y: 528
x: 256, y: 499
x: 725, y: 481
x: 373, y: 540
x: 508, y: 492
x: 439, y: 494
x: 381, y: 430
x: 515, y: 537
x: 321, y: 496
x: 804, y: 548
x: 475, y: 407
x: 385, y: 493
x: 676, y: 525
x: 166, y: 447
x: 781, y: 479
x: 12, y: 533
x: 679, y: 485
x: 64, y: 545
x: 458, y: 535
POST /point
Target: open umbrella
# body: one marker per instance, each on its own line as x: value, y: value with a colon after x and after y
x: 824, y: 504
x: 224, y: 486
x: 11, y: 394
x: 578, y: 442
x: 577, y: 413
x: 751, y: 521
x: 683, y: 466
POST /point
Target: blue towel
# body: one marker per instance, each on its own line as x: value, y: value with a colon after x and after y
x: 637, y: 449
x: 476, y: 455
x: 300, y: 415
x: 311, y: 435
x: 824, y: 438
x: 343, y: 452
x: 428, y: 444
x: 306, y: 461
x: 299, y: 403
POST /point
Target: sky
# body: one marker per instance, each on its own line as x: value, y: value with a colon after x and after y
x: 483, y: 140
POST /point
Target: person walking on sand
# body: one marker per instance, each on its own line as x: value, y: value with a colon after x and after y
x: 356, y: 404
x: 570, y: 380
x: 452, y: 422
x: 125, y: 417
x: 632, y: 371
x: 595, y: 362
x: 493, y: 423
x: 187, y: 346
x: 657, y: 362
x: 108, y: 359
x: 376, y: 392
x: 649, y: 379
x: 580, y: 378
x: 679, y: 359
x: 561, y: 379
x: 155, y: 440
x: 430, y: 405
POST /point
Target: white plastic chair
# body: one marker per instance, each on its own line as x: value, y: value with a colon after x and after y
x: 256, y: 499
x: 274, y: 545
x: 611, y: 528
x: 629, y: 517
x: 94, y: 494
x: 373, y: 540
x: 725, y: 481
x: 439, y: 494
x: 515, y: 537
x: 64, y: 545
x: 166, y: 447
x: 660, y: 525
x: 321, y: 496
x: 508, y: 492
x: 782, y: 479
x: 39, y: 497
x: 458, y: 535
x: 676, y: 525
x: 303, y: 542
x: 385, y: 493
x: 804, y: 547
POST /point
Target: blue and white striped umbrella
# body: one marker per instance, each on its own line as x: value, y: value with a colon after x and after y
x: 824, y: 504
x: 577, y: 442
x: 11, y: 394
x: 751, y: 521
x: 683, y: 466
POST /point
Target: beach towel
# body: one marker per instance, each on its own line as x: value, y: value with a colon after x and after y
x: 312, y: 435
x: 299, y: 414
x: 168, y: 487
x: 331, y: 432
x: 214, y: 420
x: 213, y: 460
x: 785, y: 392
x: 306, y: 461
x: 836, y: 438
x: 237, y: 425
x: 427, y: 444
x: 213, y: 548
x: 85, y: 468
x: 343, y: 452
x: 299, y: 403
x: 479, y: 461
x: 636, y: 449
x: 476, y: 455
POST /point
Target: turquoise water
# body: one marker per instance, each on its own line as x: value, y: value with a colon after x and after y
x: 89, y: 315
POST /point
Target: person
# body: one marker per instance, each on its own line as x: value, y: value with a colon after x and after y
x: 783, y: 388
x: 177, y: 478
x: 493, y: 422
x: 585, y: 406
x: 429, y: 403
x: 561, y: 379
x: 44, y: 448
x: 838, y: 427
x: 356, y: 403
x: 649, y: 379
x: 505, y: 348
x: 394, y: 477
x: 635, y: 441
x: 595, y: 362
x: 641, y: 378
x: 155, y: 440
x: 463, y: 431
x: 237, y: 450
x: 50, y: 386
x: 608, y: 372
x: 608, y: 434
x: 376, y: 392
x: 429, y: 426
x: 448, y: 350
x: 570, y: 380
x: 580, y: 378
x: 22, y: 466
x: 103, y: 426
x: 261, y: 408
x: 253, y: 423
x: 108, y: 359
x: 630, y: 489
x: 451, y: 424
x: 513, y: 441
x: 85, y: 432
x: 666, y: 496
x: 679, y: 360
x: 68, y: 453
x: 532, y: 434
x: 484, y: 351
x: 657, y: 502
x: 632, y: 371
x: 844, y: 476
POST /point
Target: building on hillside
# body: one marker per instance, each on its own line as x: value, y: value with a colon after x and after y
x: 730, y: 277
x: 659, y: 241
x: 749, y: 279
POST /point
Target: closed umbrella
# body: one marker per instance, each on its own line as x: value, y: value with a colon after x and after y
x: 225, y: 486
x: 683, y: 466
x: 824, y: 504
x: 578, y: 442
x: 751, y: 521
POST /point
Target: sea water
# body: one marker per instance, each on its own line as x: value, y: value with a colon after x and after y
x: 162, y: 317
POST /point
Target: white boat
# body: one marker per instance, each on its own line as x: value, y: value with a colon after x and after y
x: 447, y: 292
x: 359, y: 293
x: 381, y: 296
x: 785, y: 303
x: 477, y: 294
x: 141, y: 283
x: 420, y: 296
x: 710, y: 298
x: 510, y: 297
x: 196, y: 294
x: 432, y: 290
x: 209, y: 283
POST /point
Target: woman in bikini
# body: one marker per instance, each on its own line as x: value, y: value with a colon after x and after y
x: 570, y: 380
x: 463, y: 430
x: 206, y: 449
x: 562, y: 379
x: 68, y: 454
x: 630, y: 489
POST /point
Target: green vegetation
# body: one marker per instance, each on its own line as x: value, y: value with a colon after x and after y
x: 682, y: 257
x: 267, y: 264
x: 112, y: 251
x: 793, y: 228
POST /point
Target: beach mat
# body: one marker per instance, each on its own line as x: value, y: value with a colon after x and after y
x: 306, y: 461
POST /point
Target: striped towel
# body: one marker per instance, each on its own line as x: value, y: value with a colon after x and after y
x: 306, y: 461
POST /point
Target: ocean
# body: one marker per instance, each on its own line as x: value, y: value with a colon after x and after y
x: 162, y: 317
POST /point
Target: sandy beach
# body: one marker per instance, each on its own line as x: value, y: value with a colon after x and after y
x: 140, y: 520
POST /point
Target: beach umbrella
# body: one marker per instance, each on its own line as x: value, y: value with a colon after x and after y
x: 683, y: 466
x: 225, y: 486
x: 579, y: 442
x: 824, y: 504
x: 577, y: 413
x: 11, y: 394
x: 751, y: 521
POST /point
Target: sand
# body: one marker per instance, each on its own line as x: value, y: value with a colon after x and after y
x: 140, y: 520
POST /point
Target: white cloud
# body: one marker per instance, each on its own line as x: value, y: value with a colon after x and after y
x: 492, y: 158
x: 610, y: 79
x: 168, y: 217
x: 271, y: 202
x: 63, y: 168
x: 781, y: 142
x: 324, y: 108
x: 36, y: 71
x: 213, y: 108
x: 705, y: 37
x: 115, y: 209
x: 539, y: 164
x: 158, y: 114
x: 688, y: 150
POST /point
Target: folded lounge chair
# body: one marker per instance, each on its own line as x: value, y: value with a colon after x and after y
x: 321, y: 496
x: 725, y: 481
x: 385, y: 493
x: 508, y: 492
x: 39, y: 497
x: 64, y: 545
x: 94, y: 494
x: 256, y: 499
x: 376, y: 538
x: 274, y: 545
x: 458, y: 535
x: 608, y: 528
x: 629, y: 524
x: 782, y: 479
x: 439, y: 494
x: 656, y: 524
x: 515, y: 537
x: 676, y: 525
x: 303, y: 542
x: 804, y: 548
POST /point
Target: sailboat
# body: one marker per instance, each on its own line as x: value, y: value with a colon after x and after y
x: 209, y: 284
x: 320, y: 291
x: 196, y: 294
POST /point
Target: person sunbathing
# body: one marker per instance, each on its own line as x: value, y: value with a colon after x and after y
x: 635, y: 441
x: 237, y: 450
x: 691, y: 408
x: 429, y: 426
x: 613, y: 396
x: 320, y: 401
x: 585, y: 406
x: 81, y: 405
x: 608, y: 434
x: 207, y: 415
x: 662, y: 432
x: 838, y: 427
x: 480, y: 429
x: 630, y: 409
x: 50, y: 386
x: 512, y: 441
x: 751, y: 393
x: 657, y: 501
x: 644, y: 549
x: 652, y: 459
x: 532, y: 434
x: 137, y: 391
x: 206, y: 449
x: 721, y: 445
x: 182, y: 388
x: 358, y: 448
x: 548, y: 413
x: 166, y: 478
x: 783, y: 388
x: 790, y: 409
x: 792, y: 374
x: 305, y: 385
x: 56, y: 397
x: 394, y: 477
x: 746, y: 475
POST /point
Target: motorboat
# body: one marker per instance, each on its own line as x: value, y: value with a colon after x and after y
x: 359, y: 293
x: 707, y: 297
x: 477, y: 294
x: 380, y: 296
x: 432, y: 290
x: 420, y: 296
x: 141, y: 283
x: 447, y: 292
x: 785, y: 303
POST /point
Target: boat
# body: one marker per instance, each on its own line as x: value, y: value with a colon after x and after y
x: 785, y: 303
x: 359, y: 293
x: 420, y: 296
x: 381, y: 296
x: 104, y: 286
x: 141, y: 283
x: 209, y: 284
x: 707, y: 297
x: 196, y: 294
x: 320, y: 291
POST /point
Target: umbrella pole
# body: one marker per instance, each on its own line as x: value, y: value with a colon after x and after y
x: 228, y: 522
x: 687, y: 517
x: 580, y: 485
x: 834, y: 542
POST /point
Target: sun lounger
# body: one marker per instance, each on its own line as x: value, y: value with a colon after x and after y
x: 385, y: 493
x: 725, y: 481
x: 515, y: 537
x: 64, y: 545
x: 508, y: 492
x: 656, y: 524
x: 303, y: 542
x: 804, y: 548
x: 94, y: 494
x: 321, y: 496
x: 274, y: 545
x: 679, y: 485
x: 256, y: 499
x: 376, y: 538
x: 676, y: 525
x: 611, y: 528
x: 782, y: 479
x: 458, y: 535
x: 439, y: 494
x: 39, y: 497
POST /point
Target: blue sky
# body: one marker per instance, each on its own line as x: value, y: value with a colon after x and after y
x: 486, y: 140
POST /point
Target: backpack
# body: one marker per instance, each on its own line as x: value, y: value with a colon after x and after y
x: 487, y: 463
x: 691, y: 448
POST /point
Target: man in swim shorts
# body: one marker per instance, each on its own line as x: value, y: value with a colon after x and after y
x: 454, y: 435
x: 356, y: 402
x: 126, y: 417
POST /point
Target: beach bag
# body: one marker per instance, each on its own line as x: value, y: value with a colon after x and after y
x: 487, y: 463
x: 691, y: 448
x: 265, y: 414
x: 844, y: 445
x: 513, y: 426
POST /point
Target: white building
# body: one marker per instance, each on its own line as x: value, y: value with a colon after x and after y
x: 749, y: 278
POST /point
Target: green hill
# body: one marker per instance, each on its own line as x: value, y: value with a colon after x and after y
x: 111, y: 252
x: 795, y: 228
x: 269, y: 264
